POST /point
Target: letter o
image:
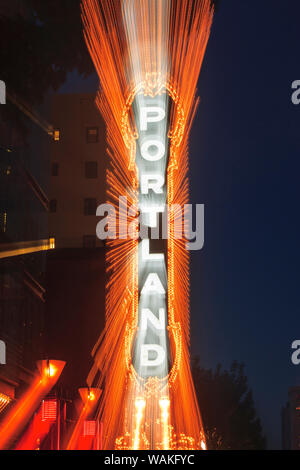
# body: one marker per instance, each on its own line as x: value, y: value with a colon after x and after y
x: 158, y: 155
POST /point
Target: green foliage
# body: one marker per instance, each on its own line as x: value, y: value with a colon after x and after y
x: 227, y: 407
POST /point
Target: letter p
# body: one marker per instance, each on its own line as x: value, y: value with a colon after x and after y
x: 151, y: 114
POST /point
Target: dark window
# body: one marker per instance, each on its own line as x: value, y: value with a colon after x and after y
x: 55, y: 169
x: 53, y: 206
x: 92, y: 134
x: 89, y: 241
x: 91, y: 169
x: 90, y: 206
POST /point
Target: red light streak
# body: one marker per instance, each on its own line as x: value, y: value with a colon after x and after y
x: 23, y: 410
x: 36, y: 432
x: 90, y: 398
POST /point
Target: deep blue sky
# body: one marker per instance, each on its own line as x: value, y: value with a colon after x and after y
x: 245, y: 162
x: 245, y: 153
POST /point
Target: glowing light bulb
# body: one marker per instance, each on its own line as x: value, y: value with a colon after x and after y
x: 140, y: 405
x: 164, y: 404
x: 50, y: 370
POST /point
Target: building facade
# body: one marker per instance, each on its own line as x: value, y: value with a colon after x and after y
x: 78, y: 163
x: 75, y: 287
x: 290, y: 417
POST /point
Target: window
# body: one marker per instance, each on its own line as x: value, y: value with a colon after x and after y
x: 53, y: 206
x: 90, y: 206
x: 56, y: 135
x: 49, y: 410
x: 52, y: 243
x: 55, y: 169
x: 3, y: 221
x: 89, y: 428
x: 92, y: 134
x: 89, y: 241
x: 91, y: 169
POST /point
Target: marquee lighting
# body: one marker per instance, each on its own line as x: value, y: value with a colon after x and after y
x: 148, y: 55
x: 4, y: 401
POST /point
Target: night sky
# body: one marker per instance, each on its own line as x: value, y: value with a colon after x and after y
x: 245, y: 149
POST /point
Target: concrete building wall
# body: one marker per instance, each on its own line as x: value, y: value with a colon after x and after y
x: 13, y: 7
x: 75, y: 310
x: 76, y: 117
x: 75, y: 284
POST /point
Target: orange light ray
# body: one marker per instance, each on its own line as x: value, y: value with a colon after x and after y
x: 142, y: 46
x: 90, y: 398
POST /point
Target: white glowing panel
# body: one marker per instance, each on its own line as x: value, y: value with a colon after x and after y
x: 151, y: 350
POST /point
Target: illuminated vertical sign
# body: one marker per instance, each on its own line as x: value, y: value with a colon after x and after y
x: 151, y: 348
